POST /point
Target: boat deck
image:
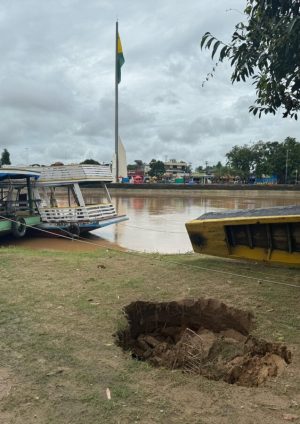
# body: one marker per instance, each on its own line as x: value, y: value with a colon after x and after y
x: 252, y: 213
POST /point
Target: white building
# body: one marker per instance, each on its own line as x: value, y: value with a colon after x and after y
x: 176, y: 169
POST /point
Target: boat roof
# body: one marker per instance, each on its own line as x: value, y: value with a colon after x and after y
x: 70, y: 174
x: 16, y: 174
x: 252, y: 213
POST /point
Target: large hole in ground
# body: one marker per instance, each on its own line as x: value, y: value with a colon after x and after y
x: 202, y: 336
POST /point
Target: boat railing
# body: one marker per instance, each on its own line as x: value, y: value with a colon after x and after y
x: 13, y: 206
x: 79, y: 214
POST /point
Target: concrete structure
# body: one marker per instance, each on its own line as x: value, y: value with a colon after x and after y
x: 176, y: 169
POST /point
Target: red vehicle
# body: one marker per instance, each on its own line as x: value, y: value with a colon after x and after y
x: 138, y: 179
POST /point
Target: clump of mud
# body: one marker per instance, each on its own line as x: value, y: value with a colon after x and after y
x: 202, y: 336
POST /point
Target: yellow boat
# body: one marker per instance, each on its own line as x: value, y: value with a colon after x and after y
x: 269, y: 235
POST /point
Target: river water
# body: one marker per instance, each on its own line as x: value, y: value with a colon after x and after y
x: 156, y: 224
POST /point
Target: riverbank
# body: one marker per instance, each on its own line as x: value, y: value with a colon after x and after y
x: 58, y: 357
x: 207, y: 190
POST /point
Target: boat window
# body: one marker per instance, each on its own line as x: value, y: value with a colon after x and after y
x: 57, y: 197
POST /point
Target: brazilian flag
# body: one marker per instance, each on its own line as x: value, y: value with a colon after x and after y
x: 120, y: 59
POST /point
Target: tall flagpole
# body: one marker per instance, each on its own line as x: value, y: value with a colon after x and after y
x: 116, y: 110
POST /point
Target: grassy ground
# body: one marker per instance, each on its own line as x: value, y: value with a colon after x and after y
x: 59, y: 310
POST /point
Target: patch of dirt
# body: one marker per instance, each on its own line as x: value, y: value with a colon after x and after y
x: 202, y: 336
x: 5, y: 383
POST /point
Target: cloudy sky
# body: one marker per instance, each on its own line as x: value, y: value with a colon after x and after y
x: 57, y: 82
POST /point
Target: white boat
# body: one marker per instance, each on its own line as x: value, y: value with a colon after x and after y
x: 61, y: 204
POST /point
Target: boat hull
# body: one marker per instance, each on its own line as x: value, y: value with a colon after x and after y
x: 267, y: 238
x: 75, y: 229
x: 7, y: 226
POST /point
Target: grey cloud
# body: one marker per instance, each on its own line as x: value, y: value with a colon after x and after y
x: 214, y: 126
x: 47, y: 96
x: 168, y: 97
x: 57, y: 82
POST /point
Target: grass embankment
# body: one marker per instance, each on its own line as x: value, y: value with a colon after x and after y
x: 58, y: 312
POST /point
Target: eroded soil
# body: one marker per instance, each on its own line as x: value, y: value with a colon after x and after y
x: 202, y: 336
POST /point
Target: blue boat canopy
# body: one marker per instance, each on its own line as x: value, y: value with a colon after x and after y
x: 17, y: 174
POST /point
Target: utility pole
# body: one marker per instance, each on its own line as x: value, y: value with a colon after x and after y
x: 286, y: 165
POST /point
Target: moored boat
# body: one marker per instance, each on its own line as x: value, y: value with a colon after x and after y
x: 48, y: 200
x: 17, y: 206
x: 61, y: 204
x: 267, y: 234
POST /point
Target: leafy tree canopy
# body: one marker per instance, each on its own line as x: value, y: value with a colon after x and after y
x: 157, y: 168
x: 137, y: 166
x: 242, y: 161
x: 57, y: 164
x: 220, y: 170
x: 139, y: 163
x: 131, y: 167
x: 5, y: 158
x: 266, y: 49
x: 281, y: 159
x: 187, y: 169
x: 199, y: 169
x: 89, y: 162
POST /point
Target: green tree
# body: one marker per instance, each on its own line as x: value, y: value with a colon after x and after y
x: 199, y: 169
x: 241, y: 160
x: 131, y: 167
x: 137, y: 166
x: 286, y: 160
x: 265, y: 48
x: 57, y: 164
x: 281, y: 159
x: 275, y: 158
x: 5, y: 158
x: 217, y: 169
x: 188, y: 169
x: 89, y: 162
x: 267, y: 158
x: 157, y: 168
x: 220, y: 170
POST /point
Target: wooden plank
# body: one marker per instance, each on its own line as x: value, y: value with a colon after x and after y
x: 233, y: 242
x: 289, y: 238
x: 249, y: 235
x: 226, y: 229
x: 269, y: 237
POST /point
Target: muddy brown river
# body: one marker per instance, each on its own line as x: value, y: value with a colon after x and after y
x: 156, y: 224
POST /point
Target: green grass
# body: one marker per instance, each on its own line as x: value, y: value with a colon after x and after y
x: 58, y: 314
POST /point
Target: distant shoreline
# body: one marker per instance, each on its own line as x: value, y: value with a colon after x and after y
x: 201, y: 187
x: 208, y: 190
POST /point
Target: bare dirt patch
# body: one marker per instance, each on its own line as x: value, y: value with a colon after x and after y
x: 203, y: 336
x: 5, y: 383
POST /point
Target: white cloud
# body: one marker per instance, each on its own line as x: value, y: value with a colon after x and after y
x: 57, y: 82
